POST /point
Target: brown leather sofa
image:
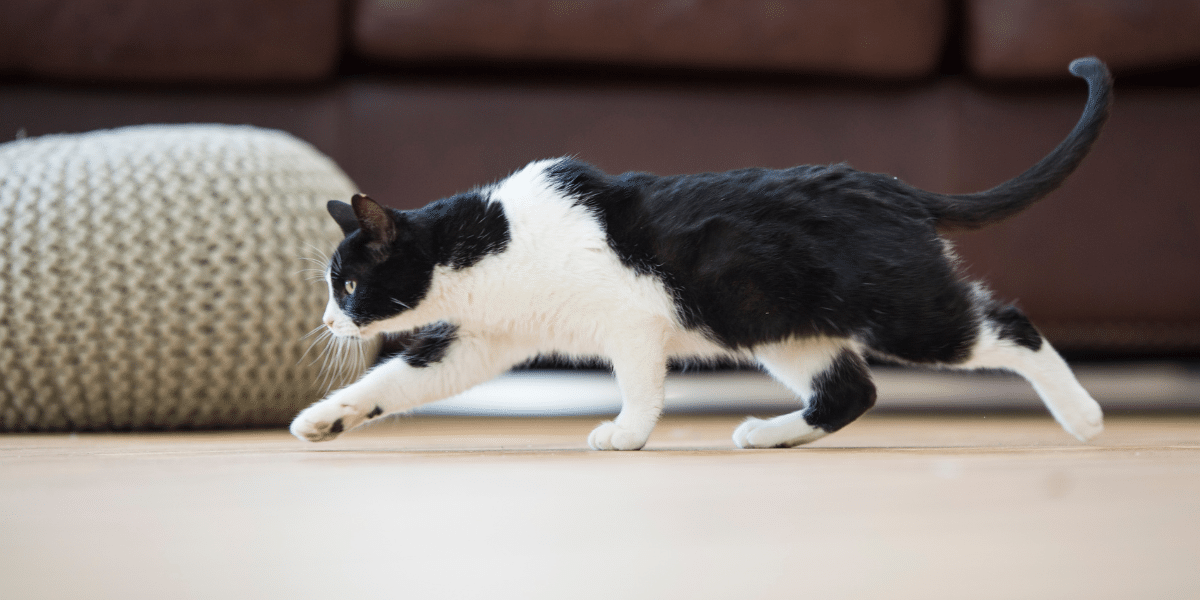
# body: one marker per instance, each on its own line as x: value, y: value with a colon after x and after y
x: 418, y: 99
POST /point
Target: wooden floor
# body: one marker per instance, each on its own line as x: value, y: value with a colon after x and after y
x: 968, y: 506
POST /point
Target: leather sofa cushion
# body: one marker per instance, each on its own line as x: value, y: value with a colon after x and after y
x: 886, y: 38
x: 171, y: 41
x: 1038, y: 38
x: 1105, y: 264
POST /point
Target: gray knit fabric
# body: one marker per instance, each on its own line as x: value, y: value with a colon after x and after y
x: 150, y: 277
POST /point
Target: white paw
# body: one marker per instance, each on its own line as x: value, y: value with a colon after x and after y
x: 328, y: 418
x: 610, y: 436
x: 741, y: 435
x: 780, y: 432
x: 1084, y: 422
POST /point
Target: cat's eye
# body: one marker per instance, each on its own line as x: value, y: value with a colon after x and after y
x: 350, y: 286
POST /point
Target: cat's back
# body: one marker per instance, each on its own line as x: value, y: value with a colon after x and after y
x: 746, y: 209
x: 754, y: 193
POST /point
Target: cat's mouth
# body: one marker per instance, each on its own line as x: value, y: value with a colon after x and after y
x: 403, y: 321
x: 349, y: 329
x: 344, y: 328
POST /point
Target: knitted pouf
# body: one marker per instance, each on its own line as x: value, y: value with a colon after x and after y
x: 150, y: 277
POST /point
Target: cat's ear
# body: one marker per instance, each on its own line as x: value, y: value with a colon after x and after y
x: 343, y: 214
x: 374, y: 220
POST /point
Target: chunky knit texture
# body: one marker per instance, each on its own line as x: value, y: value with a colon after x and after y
x: 150, y: 277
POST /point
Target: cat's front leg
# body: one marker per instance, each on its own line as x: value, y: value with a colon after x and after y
x: 409, y: 380
x: 641, y: 370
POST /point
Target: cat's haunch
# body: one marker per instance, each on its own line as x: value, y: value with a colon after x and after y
x: 803, y: 271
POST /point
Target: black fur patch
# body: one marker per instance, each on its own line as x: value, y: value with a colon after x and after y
x: 337, y: 427
x: 375, y: 412
x: 465, y: 228
x: 392, y: 345
x: 1013, y: 325
x: 429, y: 344
x: 757, y: 256
x: 843, y: 393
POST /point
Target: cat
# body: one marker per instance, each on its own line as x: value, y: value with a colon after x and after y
x: 805, y: 272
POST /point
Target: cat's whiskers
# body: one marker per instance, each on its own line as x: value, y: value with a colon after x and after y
x: 313, y: 274
x: 326, y: 377
x: 340, y: 357
x: 314, y: 331
x: 321, y: 256
x: 321, y: 260
x: 323, y: 337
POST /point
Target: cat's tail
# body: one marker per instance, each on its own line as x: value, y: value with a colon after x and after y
x: 972, y: 211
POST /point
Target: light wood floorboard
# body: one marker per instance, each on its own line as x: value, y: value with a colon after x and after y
x: 971, y: 505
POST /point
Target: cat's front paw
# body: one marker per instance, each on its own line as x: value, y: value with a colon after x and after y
x: 610, y: 436
x: 328, y: 418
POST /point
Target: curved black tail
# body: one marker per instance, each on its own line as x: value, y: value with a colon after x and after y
x: 972, y: 211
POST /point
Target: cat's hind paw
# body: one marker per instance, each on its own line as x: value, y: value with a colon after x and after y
x: 610, y: 436
x: 781, y: 432
x: 1085, y: 421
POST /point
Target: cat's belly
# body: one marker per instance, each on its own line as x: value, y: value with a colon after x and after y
x: 693, y: 344
x: 597, y: 342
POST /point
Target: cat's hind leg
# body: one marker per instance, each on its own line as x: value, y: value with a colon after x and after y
x: 1007, y: 340
x: 830, y: 378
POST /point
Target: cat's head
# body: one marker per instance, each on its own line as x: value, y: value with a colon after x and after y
x: 381, y: 269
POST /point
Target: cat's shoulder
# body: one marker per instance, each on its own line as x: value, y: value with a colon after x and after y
x: 577, y: 179
x: 565, y: 182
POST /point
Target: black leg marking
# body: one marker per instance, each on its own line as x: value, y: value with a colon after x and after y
x: 1013, y: 325
x: 375, y: 413
x: 337, y: 427
x: 843, y: 393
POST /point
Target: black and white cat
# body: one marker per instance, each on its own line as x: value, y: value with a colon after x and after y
x: 804, y: 271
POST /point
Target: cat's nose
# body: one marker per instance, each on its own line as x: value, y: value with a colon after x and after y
x: 329, y: 322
